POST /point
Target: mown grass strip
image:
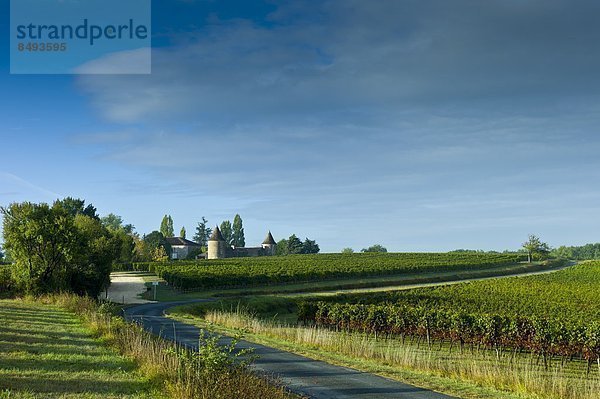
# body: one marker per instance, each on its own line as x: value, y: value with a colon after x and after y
x: 48, y: 352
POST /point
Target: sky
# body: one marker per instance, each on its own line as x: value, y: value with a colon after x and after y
x: 419, y: 125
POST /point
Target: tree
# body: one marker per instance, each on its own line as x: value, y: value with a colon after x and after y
x: 182, y: 233
x: 534, y: 246
x: 115, y: 222
x: 76, y: 206
x: 294, y: 245
x: 97, y: 248
x: 112, y: 221
x: 5, y: 256
x: 124, y: 233
x: 159, y: 254
x: 141, y: 250
x: 227, y: 231
x: 237, y: 236
x: 166, y: 226
x: 282, y: 247
x: 310, y: 247
x: 42, y: 240
x: 58, y: 248
x: 155, y: 240
x: 347, y: 251
x: 375, y: 248
x: 203, y: 232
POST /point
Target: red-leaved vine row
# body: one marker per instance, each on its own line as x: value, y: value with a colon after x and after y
x: 543, y: 336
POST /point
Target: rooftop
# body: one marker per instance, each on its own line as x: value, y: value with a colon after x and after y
x: 181, y: 241
x: 269, y: 239
x: 216, y: 235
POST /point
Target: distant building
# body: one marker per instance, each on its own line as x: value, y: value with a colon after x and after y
x: 219, y: 249
x: 181, y: 247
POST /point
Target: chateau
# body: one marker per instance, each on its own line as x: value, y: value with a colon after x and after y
x: 218, y: 248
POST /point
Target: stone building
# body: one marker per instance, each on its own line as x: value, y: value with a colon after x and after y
x: 219, y: 249
x: 180, y: 247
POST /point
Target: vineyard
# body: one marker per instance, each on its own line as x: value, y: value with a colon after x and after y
x: 242, y: 272
x: 553, y: 315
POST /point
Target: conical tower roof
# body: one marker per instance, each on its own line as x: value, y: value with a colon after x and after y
x: 269, y: 239
x: 216, y: 235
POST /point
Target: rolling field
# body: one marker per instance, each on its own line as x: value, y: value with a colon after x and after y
x: 252, y: 272
x: 553, y: 315
x: 46, y: 352
x: 526, y: 337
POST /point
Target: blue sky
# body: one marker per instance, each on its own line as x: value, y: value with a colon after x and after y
x: 420, y: 125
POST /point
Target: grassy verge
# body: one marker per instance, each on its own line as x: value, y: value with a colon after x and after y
x: 141, y: 364
x: 469, y: 375
x: 47, y: 352
x: 357, y: 284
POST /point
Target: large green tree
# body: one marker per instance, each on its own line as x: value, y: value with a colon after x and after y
x: 182, y: 232
x: 42, y: 240
x: 124, y: 233
x: 203, y: 232
x: 115, y: 222
x: 310, y: 247
x: 166, y: 226
x: 237, y: 237
x: 281, y: 249
x: 154, y: 242
x: 227, y: 231
x: 98, y: 248
x: 375, y: 248
x: 58, y: 248
x: 535, y: 247
x: 294, y: 245
x: 76, y: 206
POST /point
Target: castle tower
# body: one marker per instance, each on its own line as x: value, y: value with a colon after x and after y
x: 269, y: 244
x: 217, y: 245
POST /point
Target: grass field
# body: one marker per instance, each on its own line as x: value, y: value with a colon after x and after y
x: 46, y: 352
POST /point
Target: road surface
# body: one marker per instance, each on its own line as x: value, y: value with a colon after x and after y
x: 307, y: 377
x: 125, y: 288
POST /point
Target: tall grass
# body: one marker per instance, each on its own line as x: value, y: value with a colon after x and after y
x: 180, y: 374
x: 517, y: 373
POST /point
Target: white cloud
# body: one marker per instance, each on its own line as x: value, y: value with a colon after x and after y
x: 415, y: 113
x: 129, y: 62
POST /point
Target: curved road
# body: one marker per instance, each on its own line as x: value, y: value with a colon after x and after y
x: 308, y: 377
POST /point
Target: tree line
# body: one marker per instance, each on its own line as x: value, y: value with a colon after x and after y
x: 585, y: 252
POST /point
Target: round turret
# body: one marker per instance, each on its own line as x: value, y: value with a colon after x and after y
x: 217, y: 245
x: 269, y: 244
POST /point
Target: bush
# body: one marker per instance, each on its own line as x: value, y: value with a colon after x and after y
x: 6, y: 281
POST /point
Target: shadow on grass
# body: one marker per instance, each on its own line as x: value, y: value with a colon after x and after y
x: 37, y: 319
x: 45, y: 349
x: 80, y: 385
x: 69, y: 364
x: 52, y: 335
x: 43, y: 339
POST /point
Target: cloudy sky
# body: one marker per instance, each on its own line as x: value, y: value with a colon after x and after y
x: 421, y: 125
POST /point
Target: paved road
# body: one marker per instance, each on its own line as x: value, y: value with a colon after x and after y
x: 302, y: 375
x: 125, y: 288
